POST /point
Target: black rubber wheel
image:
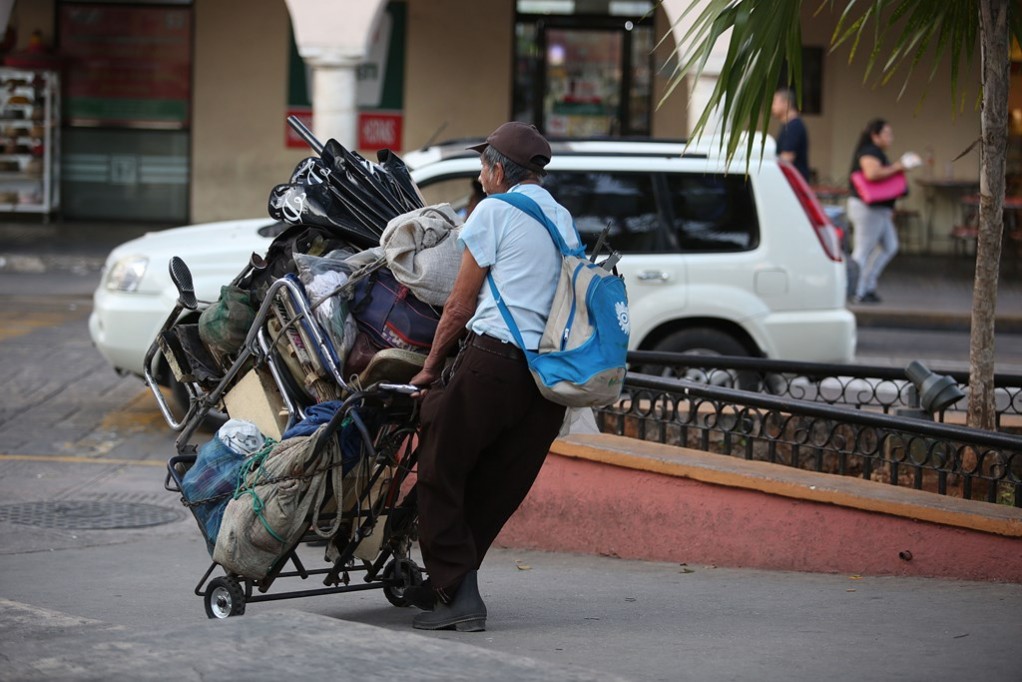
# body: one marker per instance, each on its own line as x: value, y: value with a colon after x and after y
x: 224, y: 597
x: 704, y: 341
x: 399, y: 575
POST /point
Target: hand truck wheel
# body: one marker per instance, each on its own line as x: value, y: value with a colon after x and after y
x: 400, y: 574
x: 224, y: 597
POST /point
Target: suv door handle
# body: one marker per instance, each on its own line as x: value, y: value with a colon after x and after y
x: 653, y: 276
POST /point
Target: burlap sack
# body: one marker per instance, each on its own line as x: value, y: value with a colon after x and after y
x: 264, y: 520
x: 422, y: 251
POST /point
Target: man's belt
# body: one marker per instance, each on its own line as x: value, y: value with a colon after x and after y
x: 495, y: 346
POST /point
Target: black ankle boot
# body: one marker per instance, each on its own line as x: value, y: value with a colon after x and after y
x: 465, y: 613
x: 421, y: 596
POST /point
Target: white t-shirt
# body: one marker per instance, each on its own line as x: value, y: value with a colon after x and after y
x: 523, y: 260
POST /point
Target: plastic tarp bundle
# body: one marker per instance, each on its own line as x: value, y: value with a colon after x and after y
x: 216, y: 472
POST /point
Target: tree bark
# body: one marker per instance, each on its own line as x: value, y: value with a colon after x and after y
x: 994, y: 41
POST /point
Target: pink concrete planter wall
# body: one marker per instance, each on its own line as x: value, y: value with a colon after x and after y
x: 592, y: 507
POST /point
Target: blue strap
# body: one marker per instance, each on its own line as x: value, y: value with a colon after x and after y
x: 526, y: 204
x: 506, y: 314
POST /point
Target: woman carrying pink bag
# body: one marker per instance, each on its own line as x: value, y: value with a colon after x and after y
x: 875, y: 184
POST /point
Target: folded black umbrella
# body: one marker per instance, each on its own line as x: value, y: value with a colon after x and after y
x: 298, y: 204
x: 398, y: 173
x: 362, y: 174
x: 343, y: 189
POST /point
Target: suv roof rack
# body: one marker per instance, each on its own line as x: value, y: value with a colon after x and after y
x: 562, y: 140
x: 607, y: 146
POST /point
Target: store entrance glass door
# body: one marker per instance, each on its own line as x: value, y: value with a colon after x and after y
x: 583, y: 77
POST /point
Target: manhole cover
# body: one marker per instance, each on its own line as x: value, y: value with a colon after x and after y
x: 87, y: 515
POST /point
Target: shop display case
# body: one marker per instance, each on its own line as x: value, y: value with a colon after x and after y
x: 29, y: 141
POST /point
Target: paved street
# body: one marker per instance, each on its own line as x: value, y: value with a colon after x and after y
x: 73, y: 433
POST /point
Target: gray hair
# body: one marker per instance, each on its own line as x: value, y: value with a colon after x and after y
x: 513, y: 172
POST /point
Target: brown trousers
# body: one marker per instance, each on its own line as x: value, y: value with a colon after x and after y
x: 485, y: 431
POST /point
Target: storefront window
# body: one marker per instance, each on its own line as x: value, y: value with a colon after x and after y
x: 125, y: 174
x: 528, y: 63
x: 583, y: 83
x: 128, y: 89
x: 811, y: 88
x: 584, y: 75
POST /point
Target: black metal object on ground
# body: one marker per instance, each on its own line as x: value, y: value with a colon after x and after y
x: 87, y: 514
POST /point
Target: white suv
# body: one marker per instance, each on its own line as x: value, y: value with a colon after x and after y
x: 715, y: 261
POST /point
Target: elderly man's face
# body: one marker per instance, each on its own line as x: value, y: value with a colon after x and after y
x: 490, y: 178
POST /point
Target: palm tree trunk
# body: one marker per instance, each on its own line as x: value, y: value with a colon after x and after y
x: 994, y: 40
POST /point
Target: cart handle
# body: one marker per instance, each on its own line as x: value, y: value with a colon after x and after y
x: 404, y: 389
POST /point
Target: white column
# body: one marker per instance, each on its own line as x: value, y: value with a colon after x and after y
x: 699, y: 97
x: 333, y: 38
x: 700, y: 88
x: 334, y: 107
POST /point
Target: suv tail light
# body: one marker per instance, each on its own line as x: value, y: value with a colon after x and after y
x: 828, y: 234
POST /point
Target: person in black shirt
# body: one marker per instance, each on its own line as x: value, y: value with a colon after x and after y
x: 876, y: 240
x: 792, y: 139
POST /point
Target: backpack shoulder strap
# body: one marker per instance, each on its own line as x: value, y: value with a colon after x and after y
x: 528, y: 206
x: 509, y: 319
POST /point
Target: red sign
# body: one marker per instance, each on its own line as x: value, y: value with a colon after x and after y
x: 379, y: 130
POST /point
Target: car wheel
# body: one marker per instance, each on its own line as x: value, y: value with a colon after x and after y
x: 704, y: 341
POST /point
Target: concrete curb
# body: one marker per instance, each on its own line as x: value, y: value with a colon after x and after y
x: 844, y: 491
x: 615, y: 496
x: 904, y: 318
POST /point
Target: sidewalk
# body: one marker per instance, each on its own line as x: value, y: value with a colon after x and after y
x: 935, y: 292
x: 925, y: 292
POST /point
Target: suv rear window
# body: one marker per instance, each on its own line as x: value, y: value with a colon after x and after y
x: 712, y: 212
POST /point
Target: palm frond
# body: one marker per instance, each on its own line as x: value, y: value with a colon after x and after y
x: 765, y: 35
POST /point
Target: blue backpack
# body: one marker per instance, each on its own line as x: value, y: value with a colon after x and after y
x: 582, y: 354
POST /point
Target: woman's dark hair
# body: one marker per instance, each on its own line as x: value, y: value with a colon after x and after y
x: 872, y: 128
x: 513, y: 173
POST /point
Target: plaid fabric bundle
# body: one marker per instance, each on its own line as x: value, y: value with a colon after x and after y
x: 214, y: 474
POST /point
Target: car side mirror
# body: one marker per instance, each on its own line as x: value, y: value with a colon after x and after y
x: 181, y: 276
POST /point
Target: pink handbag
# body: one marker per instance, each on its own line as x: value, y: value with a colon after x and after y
x: 891, y: 187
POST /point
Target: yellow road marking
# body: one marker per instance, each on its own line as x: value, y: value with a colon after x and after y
x: 68, y: 459
x: 140, y: 414
x: 19, y: 323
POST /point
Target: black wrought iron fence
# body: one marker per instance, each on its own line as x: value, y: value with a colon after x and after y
x: 825, y: 436
x: 886, y: 389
